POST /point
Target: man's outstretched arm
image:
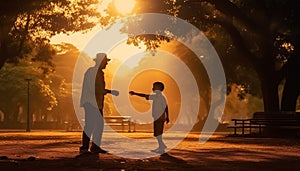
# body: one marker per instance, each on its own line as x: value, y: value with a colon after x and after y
x: 113, y: 92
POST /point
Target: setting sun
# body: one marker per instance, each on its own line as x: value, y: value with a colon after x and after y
x: 124, y: 6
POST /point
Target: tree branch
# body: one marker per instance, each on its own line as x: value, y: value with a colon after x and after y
x: 231, y: 10
x: 24, y: 35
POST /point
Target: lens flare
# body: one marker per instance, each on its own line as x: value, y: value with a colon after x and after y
x: 124, y: 6
x: 184, y: 33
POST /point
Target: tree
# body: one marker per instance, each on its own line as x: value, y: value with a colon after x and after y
x: 260, y: 35
x: 44, y: 91
x: 65, y: 61
x: 264, y: 32
x: 25, y: 25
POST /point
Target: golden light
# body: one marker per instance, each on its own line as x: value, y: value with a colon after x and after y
x: 143, y: 81
x: 124, y: 6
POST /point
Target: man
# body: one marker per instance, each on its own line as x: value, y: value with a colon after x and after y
x: 92, y: 98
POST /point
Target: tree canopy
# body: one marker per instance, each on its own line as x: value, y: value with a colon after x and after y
x: 261, y: 36
x: 50, y: 94
x: 27, y: 26
x: 44, y: 91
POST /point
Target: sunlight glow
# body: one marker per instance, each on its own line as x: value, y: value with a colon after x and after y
x: 124, y: 6
x: 123, y: 51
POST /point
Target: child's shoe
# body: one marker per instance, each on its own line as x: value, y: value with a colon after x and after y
x: 158, y: 150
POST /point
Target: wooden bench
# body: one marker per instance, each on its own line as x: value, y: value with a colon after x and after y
x: 120, y: 121
x: 277, y: 119
x: 243, y: 125
x: 263, y: 120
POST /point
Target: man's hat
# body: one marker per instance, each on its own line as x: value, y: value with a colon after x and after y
x: 101, y: 57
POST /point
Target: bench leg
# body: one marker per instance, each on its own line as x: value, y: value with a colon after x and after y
x: 259, y: 129
x: 133, y: 127
x: 129, y: 126
x: 243, y: 128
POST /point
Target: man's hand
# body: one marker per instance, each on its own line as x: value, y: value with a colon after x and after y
x: 167, y: 120
x: 114, y: 92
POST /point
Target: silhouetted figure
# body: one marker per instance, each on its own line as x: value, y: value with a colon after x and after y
x: 92, y: 98
x: 160, y: 113
x: 291, y: 89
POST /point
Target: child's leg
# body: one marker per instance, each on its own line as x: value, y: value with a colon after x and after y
x: 161, y: 144
x: 158, y: 131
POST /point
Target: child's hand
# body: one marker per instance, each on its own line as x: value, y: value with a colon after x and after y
x: 132, y: 93
x: 167, y: 120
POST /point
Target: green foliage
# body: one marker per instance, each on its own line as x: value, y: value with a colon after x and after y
x: 44, y: 90
x: 240, y: 108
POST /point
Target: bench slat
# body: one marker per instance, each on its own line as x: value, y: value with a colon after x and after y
x: 120, y: 121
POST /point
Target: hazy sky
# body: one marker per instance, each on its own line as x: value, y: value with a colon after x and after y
x: 80, y: 40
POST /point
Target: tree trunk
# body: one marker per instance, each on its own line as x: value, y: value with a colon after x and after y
x: 2, y: 62
x: 290, y: 95
x: 291, y: 89
x: 6, y: 24
x: 269, y: 87
x: 3, y: 53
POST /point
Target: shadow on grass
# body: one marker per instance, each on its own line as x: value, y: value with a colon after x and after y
x: 239, y: 159
x: 93, y: 162
x: 252, y: 140
x: 247, y: 153
x: 171, y: 159
x: 204, y: 159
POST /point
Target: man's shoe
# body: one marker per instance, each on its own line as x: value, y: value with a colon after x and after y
x: 83, y: 151
x: 98, y: 150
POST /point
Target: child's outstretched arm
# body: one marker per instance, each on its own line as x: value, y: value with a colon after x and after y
x: 139, y: 94
x: 167, y: 114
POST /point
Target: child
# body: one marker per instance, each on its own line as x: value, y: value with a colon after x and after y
x: 160, y: 113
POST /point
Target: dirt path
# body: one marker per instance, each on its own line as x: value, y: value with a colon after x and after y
x: 59, y: 151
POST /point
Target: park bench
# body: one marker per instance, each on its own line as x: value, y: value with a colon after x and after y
x: 120, y: 121
x: 263, y: 120
x: 245, y: 125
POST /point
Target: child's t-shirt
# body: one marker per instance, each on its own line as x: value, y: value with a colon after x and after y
x: 159, y: 104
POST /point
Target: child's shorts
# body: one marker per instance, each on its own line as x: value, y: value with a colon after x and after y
x: 158, y: 127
